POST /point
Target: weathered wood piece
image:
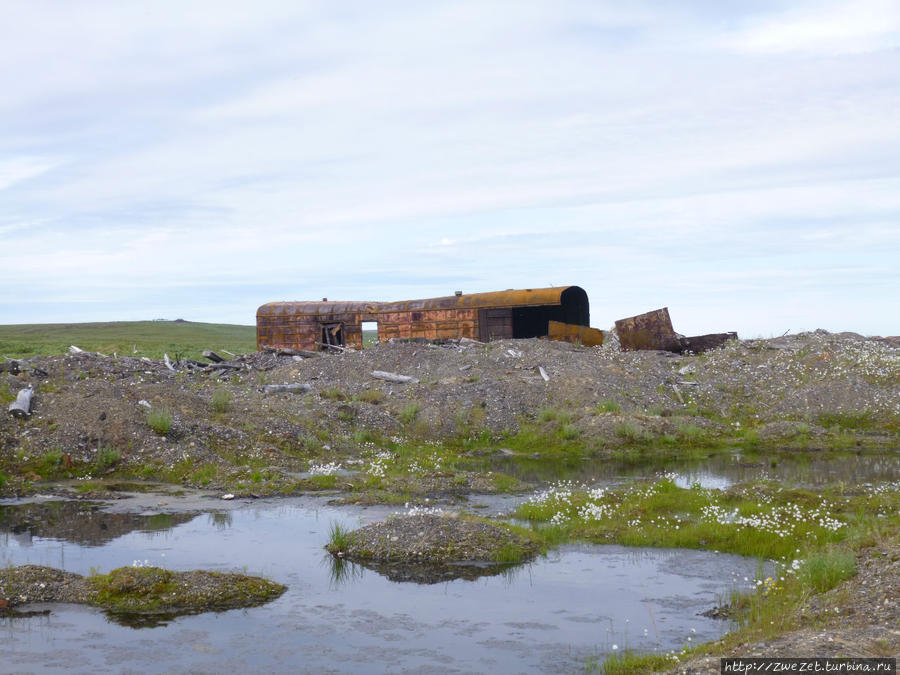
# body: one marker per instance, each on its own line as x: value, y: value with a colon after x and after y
x: 168, y: 363
x: 543, y: 373
x: 212, y: 356
x: 284, y: 351
x: 223, y: 366
x: 286, y: 388
x: 21, y: 407
x: 393, y: 377
x: 337, y: 348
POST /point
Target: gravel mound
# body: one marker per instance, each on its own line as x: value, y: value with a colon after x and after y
x: 94, y: 409
x: 433, y: 539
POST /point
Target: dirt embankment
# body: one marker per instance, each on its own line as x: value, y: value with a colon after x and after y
x: 99, y: 411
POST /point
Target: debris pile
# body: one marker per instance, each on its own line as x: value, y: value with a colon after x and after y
x: 653, y: 330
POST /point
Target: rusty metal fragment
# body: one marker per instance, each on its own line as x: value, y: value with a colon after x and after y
x: 652, y: 330
x: 567, y: 332
x: 701, y: 343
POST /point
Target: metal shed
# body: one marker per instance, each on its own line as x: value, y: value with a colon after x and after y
x: 561, y: 312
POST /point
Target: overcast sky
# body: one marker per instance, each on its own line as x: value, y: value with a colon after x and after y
x: 736, y: 162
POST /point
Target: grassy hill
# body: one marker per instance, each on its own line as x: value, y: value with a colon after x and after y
x: 150, y: 338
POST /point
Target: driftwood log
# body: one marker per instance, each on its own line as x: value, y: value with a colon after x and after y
x: 21, y: 407
x: 284, y: 351
x: 224, y: 366
x: 286, y: 388
x: 393, y: 377
x: 212, y: 356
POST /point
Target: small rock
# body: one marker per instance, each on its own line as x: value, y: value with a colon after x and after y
x: 228, y: 496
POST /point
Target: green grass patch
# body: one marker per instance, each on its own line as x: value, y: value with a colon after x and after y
x: 160, y: 420
x: 204, y: 475
x: 629, y: 662
x: 608, y: 406
x: 6, y: 395
x: 324, y: 482
x: 220, y: 400
x: 333, y: 394
x: 409, y: 413
x: 151, y: 338
x: 848, y: 421
x: 691, y: 434
x: 373, y: 396
x: 106, y: 458
x: 509, y: 553
x: 339, y: 538
x: 632, y: 432
x: 824, y: 570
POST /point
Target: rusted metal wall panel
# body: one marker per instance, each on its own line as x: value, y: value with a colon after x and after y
x: 298, y: 324
x: 567, y: 332
x: 495, y: 324
x: 652, y: 330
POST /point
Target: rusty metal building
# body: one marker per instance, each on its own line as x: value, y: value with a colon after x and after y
x: 560, y: 312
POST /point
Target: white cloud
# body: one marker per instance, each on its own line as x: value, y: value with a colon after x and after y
x: 410, y: 144
x: 20, y: 169
x: 831, y: 28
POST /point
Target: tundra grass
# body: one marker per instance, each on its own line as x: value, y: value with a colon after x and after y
x: 811, y: 538
x: 766, y: 522
x: 151, y: 338
x: 152, y: 589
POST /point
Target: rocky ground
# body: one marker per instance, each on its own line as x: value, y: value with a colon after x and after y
x: 96, y: 412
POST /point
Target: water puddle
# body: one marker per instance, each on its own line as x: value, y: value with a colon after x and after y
x: 719, y: 470
x: 548, y: 616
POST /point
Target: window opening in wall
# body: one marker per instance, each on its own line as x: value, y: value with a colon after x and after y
x: 369, y: 333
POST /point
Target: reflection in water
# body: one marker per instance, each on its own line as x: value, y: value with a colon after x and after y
x: 144, y: 619
x: 79, y: 522
x: 221, y: 520
x: 345, y: 571
x: 719, y: 470
x: 342, y: 571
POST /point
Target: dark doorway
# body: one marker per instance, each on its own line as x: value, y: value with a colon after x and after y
x: 531, y: 322
x: 332, y: 334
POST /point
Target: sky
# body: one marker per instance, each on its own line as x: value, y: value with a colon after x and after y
x: 738, y: 163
